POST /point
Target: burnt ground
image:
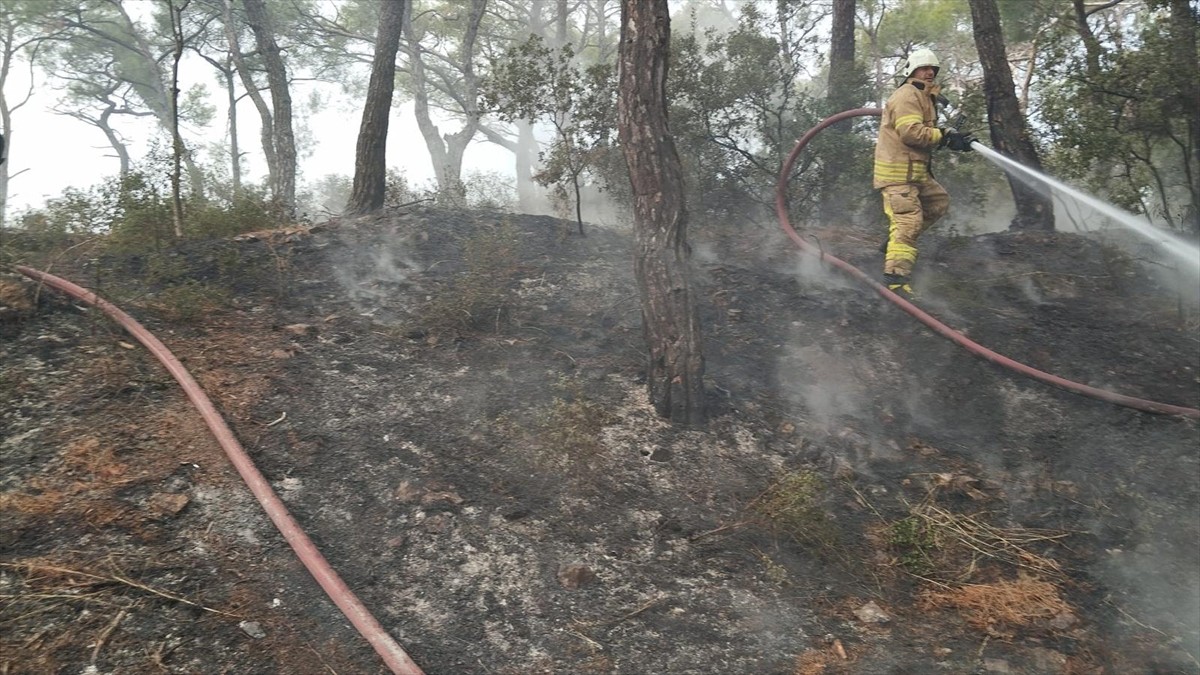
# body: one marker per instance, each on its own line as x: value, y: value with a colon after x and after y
x: 452, y: 404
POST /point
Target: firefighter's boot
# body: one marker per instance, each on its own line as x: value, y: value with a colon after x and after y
x: 900, y: 285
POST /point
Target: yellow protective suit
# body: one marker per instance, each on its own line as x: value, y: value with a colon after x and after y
x: 912, y: 199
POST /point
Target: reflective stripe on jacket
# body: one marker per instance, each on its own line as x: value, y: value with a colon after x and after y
x: 907, y: 132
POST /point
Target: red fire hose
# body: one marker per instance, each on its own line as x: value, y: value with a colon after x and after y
x: 939, y: 327
x: 393, y: 654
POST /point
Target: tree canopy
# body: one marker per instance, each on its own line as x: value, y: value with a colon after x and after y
x: 1107, y: 91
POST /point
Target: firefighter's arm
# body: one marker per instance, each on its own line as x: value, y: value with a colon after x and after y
x: 910, y: 126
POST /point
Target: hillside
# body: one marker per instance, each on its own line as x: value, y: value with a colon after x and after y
x: 451, y: 403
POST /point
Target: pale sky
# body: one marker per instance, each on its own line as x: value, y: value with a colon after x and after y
x: 52, y: 152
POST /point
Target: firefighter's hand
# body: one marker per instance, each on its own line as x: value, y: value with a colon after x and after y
x: 958, y: 141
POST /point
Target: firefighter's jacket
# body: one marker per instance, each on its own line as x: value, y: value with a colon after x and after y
x: 907, y: 133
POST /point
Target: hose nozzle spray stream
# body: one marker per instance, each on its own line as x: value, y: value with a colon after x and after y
x: 1186, y: 253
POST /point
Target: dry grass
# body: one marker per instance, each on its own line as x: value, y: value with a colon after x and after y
x: 564, y: 436
x: 477, y: 299
x: 1003, y: 605
x: 975, y: 540
x: 834, y: 659
x: 793, y: 506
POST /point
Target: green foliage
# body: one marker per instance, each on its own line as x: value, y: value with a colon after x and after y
x: 931, y: 23
x: 327, y: 196
x: 189, y: 300
x: 490, y: 191
x: 536, y: 83
x: 793, y: 506
x: 134, y: 213
x: 1127, y: 128
x: 740, y: 99
x: 914, y: 539
x: 776, y: 573
x: 251, y: 210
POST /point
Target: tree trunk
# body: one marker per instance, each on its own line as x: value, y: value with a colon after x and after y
x: 124, y: 161
x: 841, y: 57
x: 1185, y: 51
x: 524, y: 158
x: 1010, y: 135
x: 235, y: 152
x: 284, y: 184
x: 840, y: 97
x: 267, y: 122
x: 370, y: 157
x: 446, y: 150
x: 176, y: 14
x: 670, y: 323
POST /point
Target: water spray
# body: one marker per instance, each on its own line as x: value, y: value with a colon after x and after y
x: 1188, y: 254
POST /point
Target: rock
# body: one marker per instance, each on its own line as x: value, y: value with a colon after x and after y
x: 437, y: 523
x: 872, y: 613
x: 441, y: 498
x: 299, y: 329
x: 406, y: 492
x: 253, y: 629
x: 660, y: 455
x: 1063, y: 620
x: 1047, y: 660
x: 574, y: 575
x: 165, y: 504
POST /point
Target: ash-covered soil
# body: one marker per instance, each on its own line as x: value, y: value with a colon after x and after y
x: 452, y: 404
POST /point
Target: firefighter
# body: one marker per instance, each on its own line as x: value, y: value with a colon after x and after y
x: 908, y: 133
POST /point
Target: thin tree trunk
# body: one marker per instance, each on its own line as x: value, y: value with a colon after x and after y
x: 235, y: 153
x: 266, y: 119
x: 670, y: 323
x: 524, y: 157
x: 281, y: 102
x: 176, y: 14
x: 1010, y: 135
x: 370, y: 157
x: 1184, y: 46
x: 124, y: 161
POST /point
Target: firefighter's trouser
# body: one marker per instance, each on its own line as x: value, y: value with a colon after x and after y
x: 911, y: 208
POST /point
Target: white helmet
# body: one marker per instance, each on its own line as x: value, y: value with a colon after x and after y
x: 921, y: 57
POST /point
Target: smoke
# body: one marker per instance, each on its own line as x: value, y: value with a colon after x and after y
x: 821, y: 380
x: 1158, y: 586
x: 370, y: 274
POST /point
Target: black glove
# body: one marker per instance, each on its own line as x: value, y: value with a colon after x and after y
x: 956, y: 140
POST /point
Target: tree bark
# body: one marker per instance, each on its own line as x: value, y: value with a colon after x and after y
x: 370, y: 157
x: 1185, y: 50
x: 266, y: 119
x: 840, y: 97
x: 177, y: 149
x: 841, y: 57
x: 670, y: 323
x: 235, y: 153
x: 1009, y: 132
x: 284, y: 140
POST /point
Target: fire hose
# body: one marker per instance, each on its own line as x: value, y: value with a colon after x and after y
x: 360, y: 617
x: 942, y: 329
